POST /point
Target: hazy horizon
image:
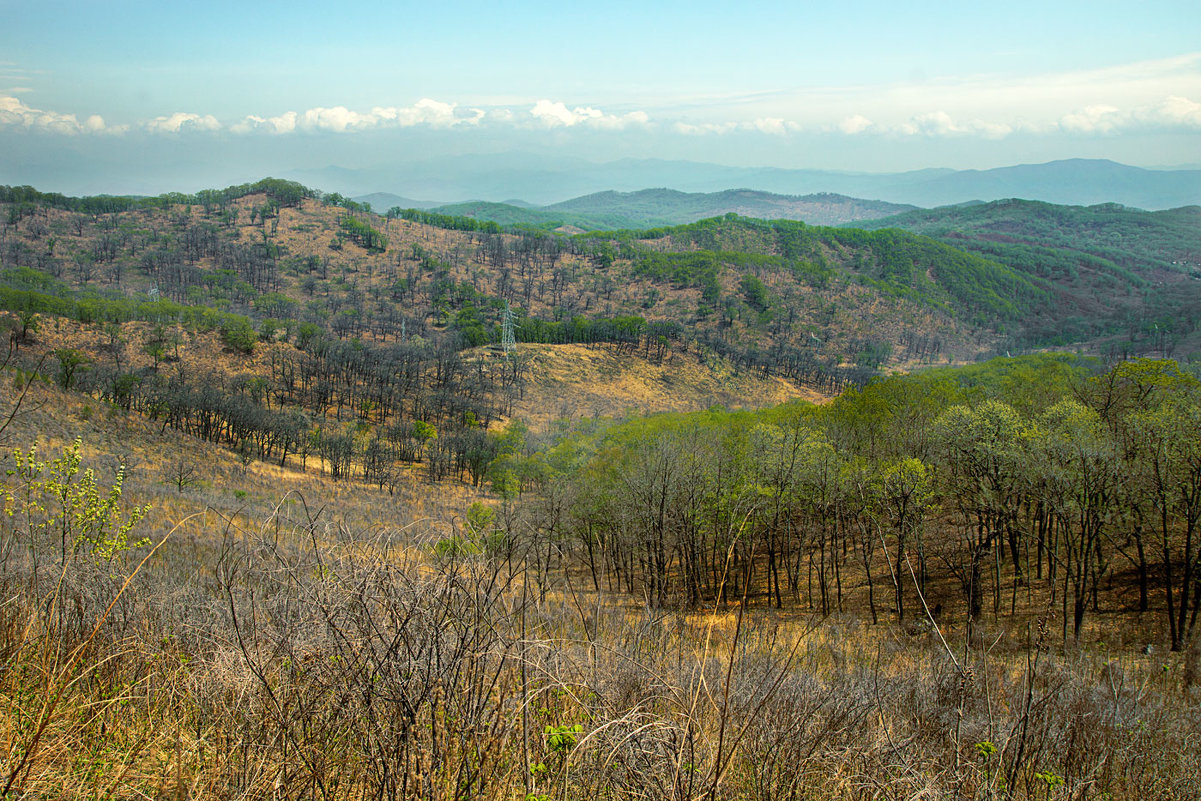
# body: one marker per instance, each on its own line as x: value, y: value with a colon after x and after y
x: 135, y: 97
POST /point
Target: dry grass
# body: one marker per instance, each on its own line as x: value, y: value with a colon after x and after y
x: 296, y: 638
x: 569, y: 382
x: 311, y: 662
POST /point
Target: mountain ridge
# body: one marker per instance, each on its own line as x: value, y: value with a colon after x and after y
x: 652, y: 208
x: 500, y: 177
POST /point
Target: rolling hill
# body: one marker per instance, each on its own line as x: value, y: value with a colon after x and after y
x: 650, y: 208
x: 1093, y: 255
x: 340, y: 328
x: 656, y: 207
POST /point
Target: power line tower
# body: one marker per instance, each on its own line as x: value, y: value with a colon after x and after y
x: 507, y: 343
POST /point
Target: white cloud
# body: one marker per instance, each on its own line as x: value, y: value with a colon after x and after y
x: 1142, y: 97
x: 1180, y: 111
x: 340, y: 119
x: 14, y: 113
x: 613, y: 122
x: 700, y: 129
x: 424, y: 112
x: 284, y: 123
x: 1171, y: 113
x: 770, y: 125
x: 1093, y: 119
x: 990, y: 106
x: 856, y: 123
x: 553, y: 114
x: 940, y: 123
x: 182, y: 121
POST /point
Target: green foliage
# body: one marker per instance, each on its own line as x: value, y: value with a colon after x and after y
x: 480, y: 536
x: 1040, y: 237
x: 58, y: 500
x: 362, y: 234
x: 447, y: 221
x: 480, y: 518
x: 1098, y: 262
x: 754, y: 292
x: 986, y: 750
x: 1051, y: 781
x: 892, y: 261
x: 698, y: 269
x: 70, y: 362
x: 516, y: 218
x: 238, y: 334
x: 424, y: 431
x: 287, y: 193
x: 561, y: 739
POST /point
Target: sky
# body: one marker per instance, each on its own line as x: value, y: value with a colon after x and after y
x: 147, y: 97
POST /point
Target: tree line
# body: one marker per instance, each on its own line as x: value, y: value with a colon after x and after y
x: 1043, y: 481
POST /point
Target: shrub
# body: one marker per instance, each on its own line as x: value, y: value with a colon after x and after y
x: 238, y: 335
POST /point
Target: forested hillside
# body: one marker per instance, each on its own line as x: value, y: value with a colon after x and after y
x: 1094, y: 255
x: 353, y: 319
x: 1039, y: 484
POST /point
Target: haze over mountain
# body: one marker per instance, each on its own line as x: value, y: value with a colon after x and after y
x: 651, y: 208
x: 549, y: 180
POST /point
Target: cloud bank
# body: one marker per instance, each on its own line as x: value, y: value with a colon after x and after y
x: 1145, y: 97
x: 15, y: 114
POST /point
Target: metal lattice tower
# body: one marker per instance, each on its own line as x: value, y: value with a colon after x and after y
x: 507, y: 343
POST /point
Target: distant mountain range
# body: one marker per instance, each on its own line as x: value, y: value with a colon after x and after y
x: 671, y: 206
x: 652, y: 208
x: 547, y: 181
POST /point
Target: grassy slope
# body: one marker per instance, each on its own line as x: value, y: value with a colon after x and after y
x: 573, y: 381
x: 168, y: 704
x: 840, y: 314
x: 336, y: 599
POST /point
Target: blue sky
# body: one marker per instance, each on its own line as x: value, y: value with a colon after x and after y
x: 139, y: 96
